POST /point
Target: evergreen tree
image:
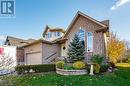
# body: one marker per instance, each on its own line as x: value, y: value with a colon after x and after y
x: 76, y: 49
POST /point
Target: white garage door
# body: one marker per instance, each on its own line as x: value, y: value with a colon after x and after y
x: 34, y: 58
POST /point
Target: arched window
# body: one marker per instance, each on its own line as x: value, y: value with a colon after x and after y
x: 89, y: 41
x: 81, y: 35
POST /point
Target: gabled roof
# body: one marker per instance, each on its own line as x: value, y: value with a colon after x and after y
x: 13, y: 41
x: 45, y: 30
x: 86, y: 16
x: 105, y: 22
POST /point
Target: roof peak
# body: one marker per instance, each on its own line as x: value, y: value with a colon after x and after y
x: 79, y: 13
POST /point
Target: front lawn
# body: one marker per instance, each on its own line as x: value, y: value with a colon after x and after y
x: 125, y: 65
x: 53, y: 79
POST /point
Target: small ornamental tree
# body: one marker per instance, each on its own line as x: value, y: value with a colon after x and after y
x: 76, y: 50
x: 6, y: 61
x: 115, y: 48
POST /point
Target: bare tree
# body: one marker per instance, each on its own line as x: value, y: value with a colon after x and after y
x: 127, y: 53
x: 127, y: 44
x: 6, y: 61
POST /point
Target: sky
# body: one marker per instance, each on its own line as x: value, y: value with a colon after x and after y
x: 33, y: 15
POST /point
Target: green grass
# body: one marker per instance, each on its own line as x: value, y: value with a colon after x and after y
x: 125, y: 65
x: 53, y: 79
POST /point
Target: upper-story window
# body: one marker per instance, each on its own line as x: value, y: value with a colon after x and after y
x: 81, y: 35
x: 89, y: 41
x: 57, y: 34
x: 49, y: 34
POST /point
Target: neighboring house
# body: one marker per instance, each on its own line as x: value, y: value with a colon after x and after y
x: 54, y: 44
x: 13, y: 41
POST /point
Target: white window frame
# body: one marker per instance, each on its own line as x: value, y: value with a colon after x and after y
x: 55, y: 34
x: 89, y: 50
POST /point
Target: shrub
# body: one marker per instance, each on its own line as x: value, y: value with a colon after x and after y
x: 43, y: 68
x: 96, y: 68
x: 20, y: 69
x: 112, y: 64
x: 27, y: 68
x: 60, y: 64
x: 104, y: 67
x: 67, y: 67
x: 37, y: 68
x: 79, y: 65
x: 98, y: 59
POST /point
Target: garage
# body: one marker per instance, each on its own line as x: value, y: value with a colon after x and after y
x: 34, y: 58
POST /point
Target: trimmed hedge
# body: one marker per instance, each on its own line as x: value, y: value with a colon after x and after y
x: 36, y: 68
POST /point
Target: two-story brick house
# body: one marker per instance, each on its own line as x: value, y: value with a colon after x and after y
x: 54, y: 43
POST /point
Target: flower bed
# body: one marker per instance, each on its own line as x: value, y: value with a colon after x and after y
x: 70, y: 72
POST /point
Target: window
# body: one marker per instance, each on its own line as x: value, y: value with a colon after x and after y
x: 49, y: 35
x: 89, y: 41
x: 81, y: 35
x: 57, y: 34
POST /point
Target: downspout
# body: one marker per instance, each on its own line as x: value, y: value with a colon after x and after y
x: 105, y: 38
x: 42, y: 53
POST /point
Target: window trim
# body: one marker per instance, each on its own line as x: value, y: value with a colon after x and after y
x: 84, y: 39
x: 55, y: 34
x: 88, y: 43
x: 49, y: 35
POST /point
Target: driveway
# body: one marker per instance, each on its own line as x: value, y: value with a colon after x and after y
x: 4, y: 72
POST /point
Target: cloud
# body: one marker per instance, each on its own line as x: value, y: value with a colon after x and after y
x: 119, y: 3
x: 2, y: 38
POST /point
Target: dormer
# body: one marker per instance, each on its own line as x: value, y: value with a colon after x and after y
x: 51, y: 34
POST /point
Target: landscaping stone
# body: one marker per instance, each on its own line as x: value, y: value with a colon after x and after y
x: 70, y: 72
